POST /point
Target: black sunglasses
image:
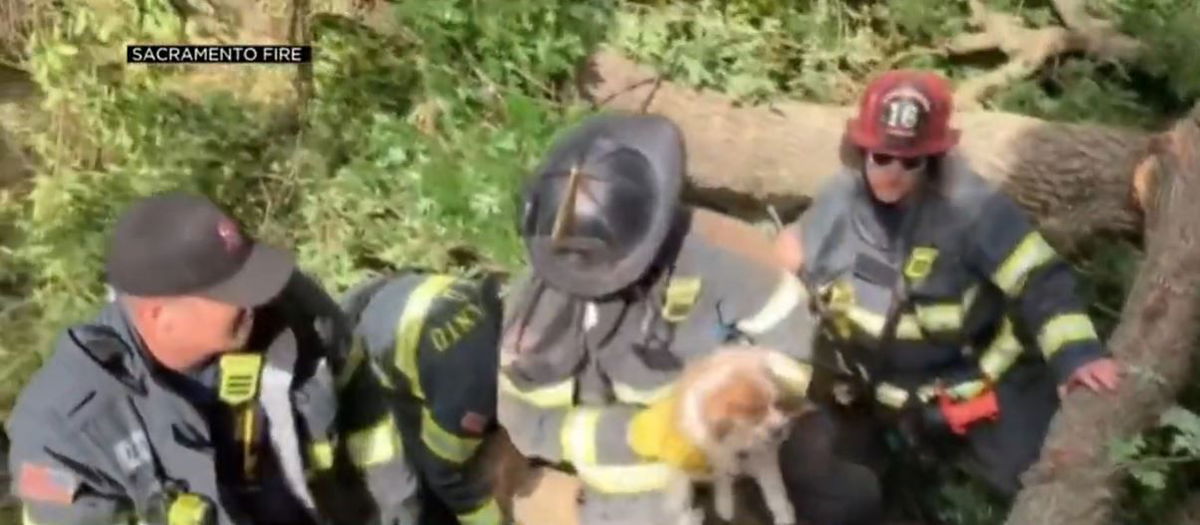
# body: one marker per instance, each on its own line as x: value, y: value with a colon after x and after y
x: 909, y: 163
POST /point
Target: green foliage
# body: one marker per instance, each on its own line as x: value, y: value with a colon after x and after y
x: 1168, y: 30
x: 407, y: 154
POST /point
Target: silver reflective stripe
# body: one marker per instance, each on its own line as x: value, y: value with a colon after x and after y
x: 639, y: 396
x: 627, y: 479
x: 277, y: 403
x: 788, y: 293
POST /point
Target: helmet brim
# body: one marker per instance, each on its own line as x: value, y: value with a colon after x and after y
x: 865, y: 140
x: 660, y: 141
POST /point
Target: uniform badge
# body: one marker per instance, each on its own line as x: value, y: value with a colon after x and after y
x: 231, y: 238
x: 133, y: 451
x: 48, y: 484
x: 904, y: 111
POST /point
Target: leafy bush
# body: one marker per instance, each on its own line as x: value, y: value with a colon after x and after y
x: 408, y: 152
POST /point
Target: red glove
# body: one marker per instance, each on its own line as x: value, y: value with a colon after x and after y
x: 960, y: 415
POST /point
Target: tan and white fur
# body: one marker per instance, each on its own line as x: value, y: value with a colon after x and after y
x: 735, y: 408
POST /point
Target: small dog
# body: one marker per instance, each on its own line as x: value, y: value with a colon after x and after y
x: 735, y: 408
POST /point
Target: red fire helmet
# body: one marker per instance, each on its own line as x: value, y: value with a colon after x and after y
x: 905, y: 113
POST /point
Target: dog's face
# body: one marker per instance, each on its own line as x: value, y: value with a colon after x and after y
x: 748, y: 409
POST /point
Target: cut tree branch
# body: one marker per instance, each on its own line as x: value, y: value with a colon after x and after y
x: 1028, y: 49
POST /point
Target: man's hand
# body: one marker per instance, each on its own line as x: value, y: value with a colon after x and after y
x: 1099, y: 375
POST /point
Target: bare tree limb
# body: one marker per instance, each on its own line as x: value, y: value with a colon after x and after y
x: 1029, y: 48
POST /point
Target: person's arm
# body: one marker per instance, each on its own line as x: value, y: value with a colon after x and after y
x: 616, y: 448
x: 755, y: 293
x: 457, y: 369
x: 1010, y: 251
x: 370, y: 440
x: 54, y: 479
x: 789, y: 248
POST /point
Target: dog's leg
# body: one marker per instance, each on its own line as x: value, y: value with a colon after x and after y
x: 769, y: 477
x: 723, y: 495
x: 678, y: 501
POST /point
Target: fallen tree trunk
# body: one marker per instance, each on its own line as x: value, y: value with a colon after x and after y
x: 1188, y: 513
x: 1074, y: 482
x: 1076, y: 180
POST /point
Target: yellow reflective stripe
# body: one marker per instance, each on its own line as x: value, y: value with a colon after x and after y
x: 795, y: 375
x: 487, y: 514
x: 969, y: 298
x: 412, y: 323
x: 967, y: 389
x: 940, y: 317
x: 321, y: 454
x: 872, y: 323
x: 626, y: 479
x: 188, y: 509
x: 579, y: 436
x: 443, y: 443
x: 926, y: 393
x: 122, y: 519
x: 550, y: 396
x: 891, y: 395
x: 378, y: 444
x: 788, y: 293
x: 1001, y: 353
x: 1032, y: 252
x: 353, y: 360
x: 628, y: 394
x: 1064, y: 329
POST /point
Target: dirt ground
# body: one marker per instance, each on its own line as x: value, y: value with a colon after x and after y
x: 549, y: 497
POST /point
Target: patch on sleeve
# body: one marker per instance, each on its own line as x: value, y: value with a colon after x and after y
x: 48, y: 484
x: 133, y: 451
x: 474, y: 423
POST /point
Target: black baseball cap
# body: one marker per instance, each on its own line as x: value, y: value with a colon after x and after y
x: 177, y: 243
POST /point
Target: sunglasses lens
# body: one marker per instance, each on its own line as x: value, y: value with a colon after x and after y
x: 909, y: 163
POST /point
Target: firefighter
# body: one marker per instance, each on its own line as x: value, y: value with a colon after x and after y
x: 951, y: 313
x: 627, y: 285
x: 212, y: 389
x: 434, y: 339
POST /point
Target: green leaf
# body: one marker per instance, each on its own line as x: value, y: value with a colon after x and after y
x: 1152, y: 478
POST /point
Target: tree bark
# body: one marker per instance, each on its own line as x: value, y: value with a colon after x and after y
x: 1076, y: 180
x: 1188, y: 513
x: 1074, y: 481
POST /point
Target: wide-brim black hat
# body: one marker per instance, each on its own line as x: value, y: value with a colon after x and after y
x: 628, y: 179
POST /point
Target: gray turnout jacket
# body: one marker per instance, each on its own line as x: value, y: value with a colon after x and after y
x: 964, y: 282
x: 574, y: 373
x: 285, y: 432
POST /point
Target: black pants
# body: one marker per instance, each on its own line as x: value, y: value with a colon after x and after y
x: 837, y: 460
